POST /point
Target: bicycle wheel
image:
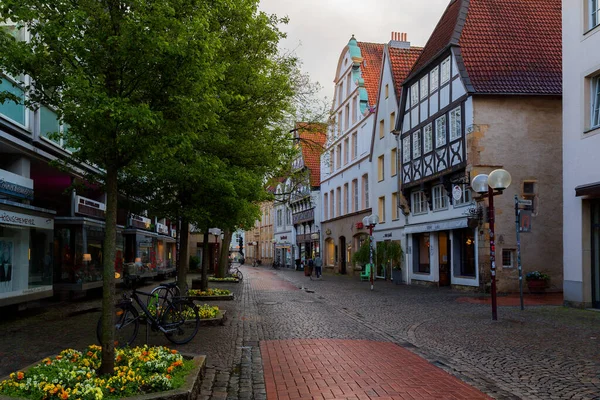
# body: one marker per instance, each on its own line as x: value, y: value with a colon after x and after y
x: 181, y: 320
x: 238, y: 274
x: 126, y: 322
x: 163, y: 295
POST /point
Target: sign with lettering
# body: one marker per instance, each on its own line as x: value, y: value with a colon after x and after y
x: 16, y: 185
x: 90, y: 207
x: 524, y: 220
x: 162, y: 229
x: 387, y: 235
x: 137, y: 221
x: 13, y: 218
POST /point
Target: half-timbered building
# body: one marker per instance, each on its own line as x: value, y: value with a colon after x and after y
x: 484, y: 94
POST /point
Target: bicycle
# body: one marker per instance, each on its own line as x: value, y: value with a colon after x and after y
x: 177, y: 318
x: 235, y: 272
x: 165, y: 291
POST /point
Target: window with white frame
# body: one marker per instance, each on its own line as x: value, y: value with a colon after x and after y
x: 354, y: 112
x: 346, y: 199
x: 445, y: 74
x: 381, y: 209
x: 416, y: 143
x: 288, y: 217
x: 455, y: 124
x: 347, y: 116
x: 354, y: 146
x: 365, y: 183
x: 595, y: 123
x: 346, y: 150
x: 414, y: 95
x: 338, y: 159
x: 393, y: 161
x: 508, y: 258
x: 440, y: 131
x: 331, y: 204
x: 355, y: 195
x: 427, y: 138
x: 325, y: 206
x: 418, y: 203
x: 424, y: 86
x: 465, y: 197
x: 594, y: 7
x: 440, y: 198
x: 434, y: 79
x: 338, y: 208
x: 406, y: 149
x: 331, y: 160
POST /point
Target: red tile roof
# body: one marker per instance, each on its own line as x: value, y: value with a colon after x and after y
x: 401, y: 61
x: 507, y: 46
x: 372, y: 54
x: 312, y: 142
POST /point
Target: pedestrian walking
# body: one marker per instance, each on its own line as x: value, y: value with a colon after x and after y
x: 310, y: 264
x: 318, y: 265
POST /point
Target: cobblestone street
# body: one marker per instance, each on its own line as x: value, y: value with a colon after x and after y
x: 543, y: 352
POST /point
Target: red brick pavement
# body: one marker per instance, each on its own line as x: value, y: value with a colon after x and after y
x: 354, y: 369
x: 265, y: 279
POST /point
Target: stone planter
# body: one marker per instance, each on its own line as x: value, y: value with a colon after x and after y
x: 211, y: 298
x: 218, y: 320
x: 190, y: 390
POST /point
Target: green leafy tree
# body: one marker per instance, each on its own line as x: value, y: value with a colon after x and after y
x: 119, y: 73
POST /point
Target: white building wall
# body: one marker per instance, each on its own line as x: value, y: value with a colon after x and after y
x: 581, y: 59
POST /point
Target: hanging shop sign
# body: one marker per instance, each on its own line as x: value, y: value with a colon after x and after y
x: 137, y: 221
x: 16, y: 185
x: 162, y: 229
x: 90, y: 207
x: 13, y: 218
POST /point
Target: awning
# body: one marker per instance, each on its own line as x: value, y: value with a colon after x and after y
x: 590, y: 189
x: 437, y: 226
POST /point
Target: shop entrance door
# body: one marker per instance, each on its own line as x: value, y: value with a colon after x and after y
x: 444, y: 257
x: 342, y: 254
x: 595, y: 205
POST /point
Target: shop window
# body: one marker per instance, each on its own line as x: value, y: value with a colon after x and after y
x: 508, y: 258
x: 421, y: 259
x: 464, y: 248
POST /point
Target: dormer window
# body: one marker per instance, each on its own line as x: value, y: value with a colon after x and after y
x: 445, y: 71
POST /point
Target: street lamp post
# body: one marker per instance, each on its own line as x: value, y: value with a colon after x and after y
x: 490, y: 186
x: 370, y: 223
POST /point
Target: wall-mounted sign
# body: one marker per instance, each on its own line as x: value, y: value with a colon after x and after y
x: 137, y: 221
x: 90, y: 207
x: 162, y: 229
x: 524, y: 220
x: 387, y: 235
x: 284, y: 237
x: 328, y: 231
x: 13, y: 218
x: 457, y: 192
x: 16, y: 185
x: 359, y: 225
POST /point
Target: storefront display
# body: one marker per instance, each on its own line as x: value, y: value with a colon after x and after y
x: 25, y: 256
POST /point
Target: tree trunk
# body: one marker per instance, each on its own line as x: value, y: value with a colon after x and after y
x: 205, y: 261
x: 184, y: 256
x: 108, y: 274
x: 224, y: 256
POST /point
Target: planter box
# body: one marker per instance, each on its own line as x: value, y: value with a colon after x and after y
x: 212, y: 298
x: 190, y: 390
x: 537, y: 286
x: 218, y: 320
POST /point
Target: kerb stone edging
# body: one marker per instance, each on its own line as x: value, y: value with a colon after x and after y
x: 189, y: 390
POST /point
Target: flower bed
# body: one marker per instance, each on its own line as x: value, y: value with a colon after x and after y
x: 227, y: 279
x: 72, y: 374
x: 210, y: 294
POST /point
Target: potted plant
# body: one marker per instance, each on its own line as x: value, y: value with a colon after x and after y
x: 537, y: 281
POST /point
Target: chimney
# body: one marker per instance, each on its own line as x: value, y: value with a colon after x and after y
x: 399, y: 40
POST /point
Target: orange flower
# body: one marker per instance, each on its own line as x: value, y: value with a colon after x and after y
x: 112, y: 389
x: 58, y: 357
x: 168, y: 376
x: 48, y: 362
x: 20, y: 375
x: 170, y: 369
x: 89, y: 354
x: 119, y: 358
x: 64, y: 395
x: 173, y: 351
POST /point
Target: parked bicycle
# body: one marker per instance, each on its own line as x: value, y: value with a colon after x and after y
x: 176, y: 317
x: 165, y: 292
x: 235, y: 272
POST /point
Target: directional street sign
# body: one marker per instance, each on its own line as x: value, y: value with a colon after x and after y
x: 525, y: 202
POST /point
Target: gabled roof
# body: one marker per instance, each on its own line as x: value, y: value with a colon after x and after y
x: 372, y: 54
x: 401, y: 62
x: 503, y: 46
x: 312, y: 142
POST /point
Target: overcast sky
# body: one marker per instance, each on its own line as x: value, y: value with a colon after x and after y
x: 319, y: 29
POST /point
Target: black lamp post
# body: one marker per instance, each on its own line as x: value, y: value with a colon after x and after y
x: 370, y: 223
x: 490, y: 186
